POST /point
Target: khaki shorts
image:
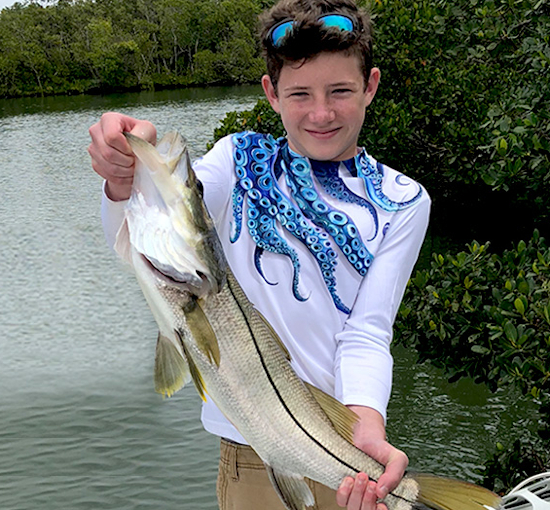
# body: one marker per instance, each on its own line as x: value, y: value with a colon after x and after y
x: 243, y: 483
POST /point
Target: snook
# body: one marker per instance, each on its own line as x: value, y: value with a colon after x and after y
x: 211, y: 334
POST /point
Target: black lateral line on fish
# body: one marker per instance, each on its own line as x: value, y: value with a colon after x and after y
x: 279, y: 396
x: 289, y: 412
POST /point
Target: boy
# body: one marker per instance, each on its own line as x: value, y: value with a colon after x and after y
x: 321, y: 237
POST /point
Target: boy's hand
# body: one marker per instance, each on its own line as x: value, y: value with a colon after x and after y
x: 112, y: 157
x: 370, y: 436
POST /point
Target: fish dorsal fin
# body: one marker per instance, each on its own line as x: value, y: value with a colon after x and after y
x: 171, y: 369
x: 342, y: 418
x: 292, y: 489
x: 202, y: 331
x: 193, y: 369
x: 274, y: 335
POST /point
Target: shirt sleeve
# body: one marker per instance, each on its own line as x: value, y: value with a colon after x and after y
x: 363, y: 362
x: 215, y: 170
x: 112, y: 216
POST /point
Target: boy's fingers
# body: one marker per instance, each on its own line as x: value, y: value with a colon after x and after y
x: 109, y: 162
x: 369, y: 497
x: 107, y: 134
x: 344, y: 491
x: 114, y: 124
x: 112, y: 156
x: 358, y: 494
x: 355, y: 501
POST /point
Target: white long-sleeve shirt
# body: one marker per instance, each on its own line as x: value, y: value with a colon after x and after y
x: 338, y: 333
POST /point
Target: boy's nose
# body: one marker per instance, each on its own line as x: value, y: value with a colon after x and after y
x: 322, y: 112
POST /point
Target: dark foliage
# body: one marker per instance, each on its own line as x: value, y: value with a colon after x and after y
x: 76, y: 46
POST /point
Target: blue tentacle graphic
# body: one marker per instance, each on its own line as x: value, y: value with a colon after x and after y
x: 338, y: 225
x: 373, y: 176
x: 257, y: 186
x: 238, y: 201
x: 332, y: 183
x: 262, y: 228
x: 258, y: 252
x: 259, y: 162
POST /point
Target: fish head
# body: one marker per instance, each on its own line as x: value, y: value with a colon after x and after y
x: 166, y: 221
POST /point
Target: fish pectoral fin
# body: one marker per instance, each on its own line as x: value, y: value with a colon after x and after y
x: 274, y: 335
x: 171, y: 368
x: 342, y: 418
x: 194, y: 371
x: 292, y: 489
x: 122, y: 244
x: 202, y: 331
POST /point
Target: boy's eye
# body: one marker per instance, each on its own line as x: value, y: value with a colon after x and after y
x: 341, y: 91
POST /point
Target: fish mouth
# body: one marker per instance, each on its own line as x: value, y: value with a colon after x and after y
x: 196, y: 284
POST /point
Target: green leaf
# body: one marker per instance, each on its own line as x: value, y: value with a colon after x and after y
x: 536, y: 143
x: 405, y: 311
x: 502, y: 146
x: 479, y: 349
x: 510, y: 331
x: 520, y: 307
x: 523, y: 287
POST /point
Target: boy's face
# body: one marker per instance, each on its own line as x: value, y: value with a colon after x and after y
x: 322, y: 104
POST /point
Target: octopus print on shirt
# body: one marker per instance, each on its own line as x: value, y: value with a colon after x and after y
x: 330, y: 233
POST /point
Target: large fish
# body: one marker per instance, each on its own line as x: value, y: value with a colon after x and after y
x: 211, y: 333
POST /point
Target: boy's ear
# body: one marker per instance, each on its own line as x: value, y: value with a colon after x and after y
x: 372, y: 85
x: 270, y: 93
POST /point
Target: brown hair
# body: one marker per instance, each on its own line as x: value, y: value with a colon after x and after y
x: 309, y: 37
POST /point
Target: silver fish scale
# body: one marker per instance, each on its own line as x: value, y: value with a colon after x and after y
x: 258, y: 391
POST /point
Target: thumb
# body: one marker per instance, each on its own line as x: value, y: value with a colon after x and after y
x: 394, y: 471
x: 144, y: 129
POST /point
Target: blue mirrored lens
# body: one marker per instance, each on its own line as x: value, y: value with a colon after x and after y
x: 328, y: 20
x: 337, y: 20
x: 281, y: 31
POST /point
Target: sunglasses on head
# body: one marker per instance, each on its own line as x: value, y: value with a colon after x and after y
x: 279, y: 31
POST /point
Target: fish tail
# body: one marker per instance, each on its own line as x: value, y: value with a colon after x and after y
x: 447, y: 494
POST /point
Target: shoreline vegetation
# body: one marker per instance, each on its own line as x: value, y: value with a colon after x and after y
x: 463, y: 107
x: 104, y: 46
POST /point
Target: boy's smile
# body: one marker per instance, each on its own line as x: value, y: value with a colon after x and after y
x: 322, y: 104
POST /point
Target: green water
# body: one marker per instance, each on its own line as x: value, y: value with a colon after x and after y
x: 80, y: 424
